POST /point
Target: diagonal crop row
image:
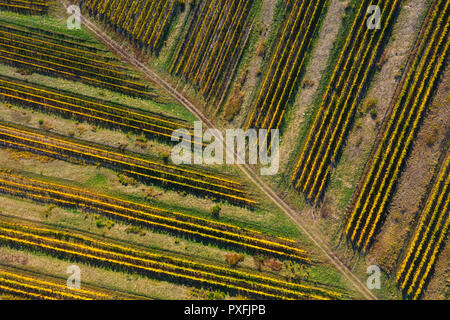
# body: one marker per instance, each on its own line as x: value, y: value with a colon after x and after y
x: 25, y: 7
x: 345, y: 90
x: 42, y: 33
x: 391, y: 151
x: 207, y: 55
x: 52, y: 58
x: 36, y: 288
x: 74, y: 59
x: 152, y: 217
x: 83, y: 108
x: 429, y: 237
x: 144, y: 22
x: 287, y: 61
x: 180, y: 178
x: 67, y: 245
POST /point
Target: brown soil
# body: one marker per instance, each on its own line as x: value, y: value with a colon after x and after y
x: 365, y: 129
x: 314, y: 70
x: 255, y: 65
x: 412, y: 188
x: 439, y: 286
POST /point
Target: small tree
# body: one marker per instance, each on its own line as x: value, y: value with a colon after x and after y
x: 233, y: 259
x: 261, y: 50
x: 258, y: 260
x: 215, y: 211
x: 296, y: 272
x: 273, y: 264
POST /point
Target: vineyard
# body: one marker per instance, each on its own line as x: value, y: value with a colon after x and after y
x: 384, y: 168
x: 282, y: 75
x: 35, y: 288
x: 347, y: 85
x: 25, y: 7
x: 62, y: 148
x: 156, y: 218
x: 144, y: 22
x: 429, y: 237
x: 83, y: 108
x: 194, y: 228
x: 208, y: 55
x: 118, y: 257
x: 99, y: 171
x: 67, y: 59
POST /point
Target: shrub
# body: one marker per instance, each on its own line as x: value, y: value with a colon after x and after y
x: 307, y: 83
x: 45, y: 125
x: 369, y: 104
x: 218, y: 295
x: 261, y: 50
x: 48, y: 211
x: 127, y: 180
x: 242, y: 78
x: 296, y: 272
x: 233, y: 259
x: 273, y: 264
x: 142, y: 139
x: 383, y: 59
x: 430, y: 138
x: 234, y: 104
x: 258, y: 261
x: 150, y: 193
x: 135, y: 230
x: 25, y: 71
x: 215, y: 211
x: 100, y: 223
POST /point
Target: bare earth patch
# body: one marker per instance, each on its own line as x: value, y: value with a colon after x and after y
x: 314, y: 70
x: 404, y: 210
x: 254, y: 68
x: 361, y: 139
